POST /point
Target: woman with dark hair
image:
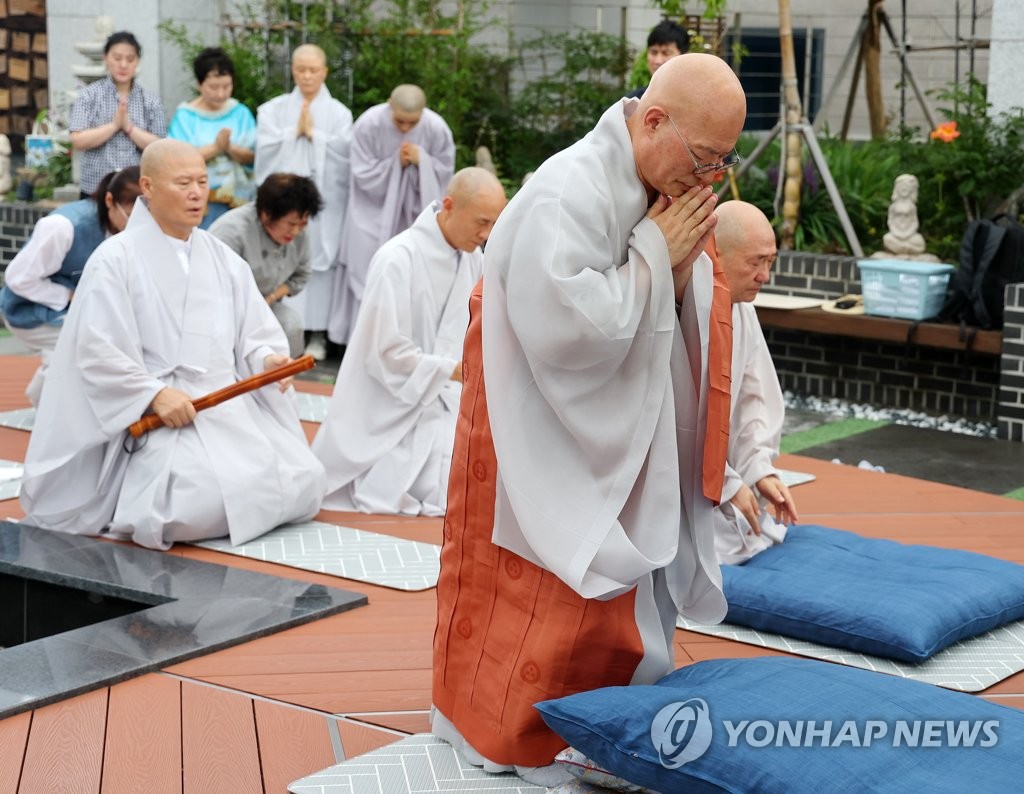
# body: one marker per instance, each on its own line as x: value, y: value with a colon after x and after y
x: 114, y: 119
x: 270, y: 235
x: 224, y: 131
x: 41, y: 280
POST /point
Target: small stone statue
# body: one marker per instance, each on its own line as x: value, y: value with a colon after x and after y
x: 903, y: 240
x: 484, y: 160
x: 6, y: 183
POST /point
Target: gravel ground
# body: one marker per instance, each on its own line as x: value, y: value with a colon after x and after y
x: 834, y: 407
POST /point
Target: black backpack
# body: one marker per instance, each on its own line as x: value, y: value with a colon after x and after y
x: 991, y: 256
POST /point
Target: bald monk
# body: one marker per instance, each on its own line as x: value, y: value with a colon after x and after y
x: 166, y: 313
x: 308, y: 132
x: 403, y: 156
x: 580, y: 507
x: 387, y: 440
x: 743, y: 525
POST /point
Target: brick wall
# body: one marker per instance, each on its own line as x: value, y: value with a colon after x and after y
x: 1011, y: 381
x: 976, y: 386
x: 16, y: 223
x: 932, y: 380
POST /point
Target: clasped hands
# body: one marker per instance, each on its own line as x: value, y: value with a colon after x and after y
x: 408, y: 154
x: 122, y: 121
x: 305, y: 126
x: 687, y: 223
x: 175, y: 408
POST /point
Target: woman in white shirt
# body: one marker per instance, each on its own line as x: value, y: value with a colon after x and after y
x: 40, y: 281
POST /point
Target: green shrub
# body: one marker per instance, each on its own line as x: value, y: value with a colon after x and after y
x: 968, y: 177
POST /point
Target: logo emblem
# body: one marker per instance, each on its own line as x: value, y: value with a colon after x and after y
x: 681, y: 732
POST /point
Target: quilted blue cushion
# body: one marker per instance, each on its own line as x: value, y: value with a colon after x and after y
x: 870, y: 595
x: 675, y: 736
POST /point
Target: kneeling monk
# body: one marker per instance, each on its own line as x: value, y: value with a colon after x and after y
x: 166, y: 313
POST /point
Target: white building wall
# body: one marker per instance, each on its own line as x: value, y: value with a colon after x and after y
x: 1005, y: 88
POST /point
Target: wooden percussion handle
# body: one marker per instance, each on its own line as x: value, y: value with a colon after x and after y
x: 301, y: 364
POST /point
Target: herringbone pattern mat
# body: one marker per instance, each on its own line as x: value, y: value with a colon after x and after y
x: 969, y: 666
x: 422, y: 764
x: 343, y: 551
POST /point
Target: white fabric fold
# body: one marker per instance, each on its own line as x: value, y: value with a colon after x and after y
x: 595, y: 392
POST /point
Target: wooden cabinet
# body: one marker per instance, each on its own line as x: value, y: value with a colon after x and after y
x: 23, y: 66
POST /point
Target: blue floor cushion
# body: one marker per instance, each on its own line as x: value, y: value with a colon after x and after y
x: 871, y: 595
x: 785, y: 725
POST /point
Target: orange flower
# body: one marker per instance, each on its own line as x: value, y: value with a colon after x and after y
x: 945, y: 132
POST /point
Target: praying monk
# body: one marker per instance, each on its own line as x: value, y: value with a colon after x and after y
x: 746, y: 249
x: 309, y: 133
x: 580, y: 508
x: 387, y: 440
x: 403, y: 155
x: 165, y: 313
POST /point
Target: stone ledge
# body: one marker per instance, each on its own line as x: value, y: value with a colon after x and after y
x: 887, y: 329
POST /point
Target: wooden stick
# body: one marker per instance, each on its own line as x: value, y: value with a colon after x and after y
x: 152, y: 421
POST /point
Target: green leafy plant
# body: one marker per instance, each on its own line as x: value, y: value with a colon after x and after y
x: 974, y: 174
x: 677, y: 8
x: 863, y: 172
x: 582, y: 73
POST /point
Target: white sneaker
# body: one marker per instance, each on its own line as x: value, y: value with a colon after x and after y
x: 317, y: 347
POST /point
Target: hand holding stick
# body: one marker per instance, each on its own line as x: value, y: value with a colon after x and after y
x: 152, y: 421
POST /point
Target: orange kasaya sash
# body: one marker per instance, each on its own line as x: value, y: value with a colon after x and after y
x: 716, y: 441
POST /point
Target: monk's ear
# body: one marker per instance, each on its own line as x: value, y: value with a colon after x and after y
x: 447, y: 203
x: 654, y: 117
x: 146, y: 185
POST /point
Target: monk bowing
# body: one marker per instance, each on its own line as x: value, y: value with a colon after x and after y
x: 164, y: 314
x: 580, y: 506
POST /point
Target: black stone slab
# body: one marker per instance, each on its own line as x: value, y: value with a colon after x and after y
x: 193, y: 608
x: 980, y: 464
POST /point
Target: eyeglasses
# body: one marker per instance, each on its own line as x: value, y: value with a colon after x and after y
x: 726, y: 163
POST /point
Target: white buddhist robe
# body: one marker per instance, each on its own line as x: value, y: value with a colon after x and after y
x: 756, y: 415
x: 324, y: 159
x: 386, y: 197
x: 152, y: 312
x: 387, y: 441
x: 596, y: 391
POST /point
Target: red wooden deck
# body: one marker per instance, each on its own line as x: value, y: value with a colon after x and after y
x: 254, y: 717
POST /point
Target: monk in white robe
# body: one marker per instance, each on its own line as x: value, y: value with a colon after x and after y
x: 403, y: 156
x: 579, y: 522
x: 387, y: 440
x: 744, y: 525
x: 166, y: 313
x: 309, y: 133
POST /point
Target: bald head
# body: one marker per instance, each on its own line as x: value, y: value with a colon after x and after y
x: 407, y: 103
x: 174, y: 185
x: 698, y: 86
x: 468, y: 182
x: 691, y: 114
x: 471, y: 205
x: 309, y: 69
x: 309, y: 52
x: 746, y: 248
x: 167, y: 153
x: 408, y: 98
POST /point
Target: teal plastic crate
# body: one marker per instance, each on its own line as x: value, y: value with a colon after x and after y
x: 902, y: 288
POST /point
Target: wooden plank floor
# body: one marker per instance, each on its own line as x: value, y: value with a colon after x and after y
x: 259, y: 715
